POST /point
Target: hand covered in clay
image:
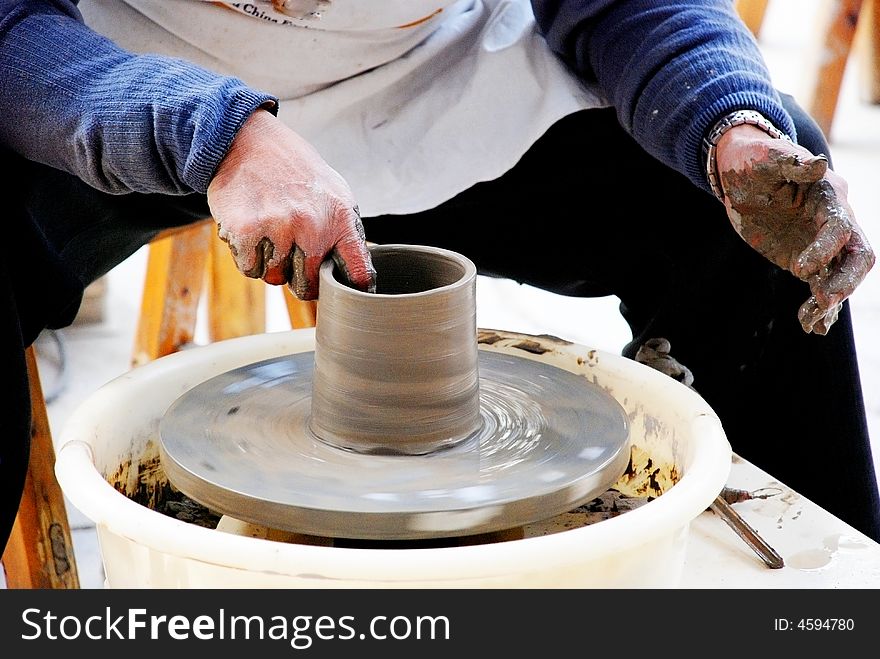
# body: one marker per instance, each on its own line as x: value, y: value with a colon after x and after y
x: 785, y: 202
x: 655, y: 353
x: 283, y: 210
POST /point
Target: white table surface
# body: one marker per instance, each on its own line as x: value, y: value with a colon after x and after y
x: 819, y: 549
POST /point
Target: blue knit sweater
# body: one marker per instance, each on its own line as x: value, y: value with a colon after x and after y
x: 671, y: 68
x: 71, y: 99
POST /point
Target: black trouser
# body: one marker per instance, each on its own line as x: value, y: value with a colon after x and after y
x: 59, y: 236
x: 619, y: 223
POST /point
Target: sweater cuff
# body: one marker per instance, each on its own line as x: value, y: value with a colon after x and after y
x: 241, y: 103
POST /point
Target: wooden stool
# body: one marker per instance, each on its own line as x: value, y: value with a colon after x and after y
x: 180, y: 263
x: 843, y: 23
x: 39, y: 553
x: 752, y: 12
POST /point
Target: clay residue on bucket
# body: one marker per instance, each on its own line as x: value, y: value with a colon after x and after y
x: 643, y: 481
x: 153, y: 490
x: 646, y: 478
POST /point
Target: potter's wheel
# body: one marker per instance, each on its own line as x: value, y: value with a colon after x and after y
x: 240, y: 444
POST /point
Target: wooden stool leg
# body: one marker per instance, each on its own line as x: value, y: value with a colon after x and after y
x: 752, y: 13
x: 236, y: 304
x: 869, y: 27
x: 176, y: 269
x: 841, y: 19
x: 39, y: 553
x: 303, y: 313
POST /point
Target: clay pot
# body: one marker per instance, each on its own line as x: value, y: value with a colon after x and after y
x: 396, y: 371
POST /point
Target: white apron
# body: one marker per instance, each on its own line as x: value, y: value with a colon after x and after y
x: 412, y: 101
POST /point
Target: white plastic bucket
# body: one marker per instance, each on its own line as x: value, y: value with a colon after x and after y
x: 114, y: 434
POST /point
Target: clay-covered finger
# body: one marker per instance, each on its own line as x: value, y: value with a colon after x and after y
x: 834, y: 218
x: 809, y: 314
x: 830, y: 240
x: 352, y: 256
x: 793, y: 164
x: 825, y: 322
x: 304, y: 274
x: 356, y: 266
x: 279, y: 270
x: 251, y: 255
x: 259, y: 259
x: 845, y: 273
x: 816, y: 318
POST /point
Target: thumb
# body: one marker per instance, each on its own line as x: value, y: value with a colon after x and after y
x: 799, y: 166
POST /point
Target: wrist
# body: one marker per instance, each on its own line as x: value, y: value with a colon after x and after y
x: 746, y: 123
x: 259, y: 125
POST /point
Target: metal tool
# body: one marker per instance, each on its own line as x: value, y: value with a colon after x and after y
x: 732, y: 518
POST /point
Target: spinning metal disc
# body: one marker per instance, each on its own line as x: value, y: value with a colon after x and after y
x: 240, y: 444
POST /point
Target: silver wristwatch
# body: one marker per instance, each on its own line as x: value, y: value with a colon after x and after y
x: 723, y: 125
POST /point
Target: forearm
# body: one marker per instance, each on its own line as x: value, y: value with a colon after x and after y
x: 671, y: 68
x: 71, y: 99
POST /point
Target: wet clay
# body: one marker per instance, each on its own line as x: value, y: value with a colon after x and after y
x: 655, y: 353
x: 396, y: 370
x: 779, y: 206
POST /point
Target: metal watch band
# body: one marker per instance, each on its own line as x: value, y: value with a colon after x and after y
x: 723, y: 125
